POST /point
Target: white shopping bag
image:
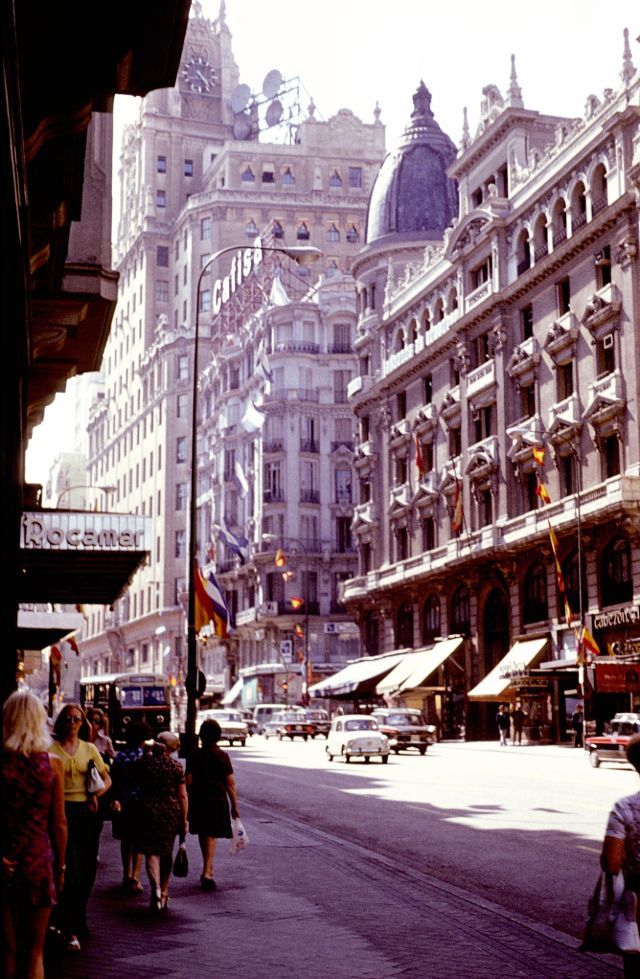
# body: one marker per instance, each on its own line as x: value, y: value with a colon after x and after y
x: 239, y: 839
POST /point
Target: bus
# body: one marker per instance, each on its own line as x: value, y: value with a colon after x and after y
x: 128, y: 697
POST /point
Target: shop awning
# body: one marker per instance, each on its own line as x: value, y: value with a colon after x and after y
x: 232, y: 694
x: 38, y: 629
x: 521, y: 656
x: 417, y: 666
x: 357, y: 678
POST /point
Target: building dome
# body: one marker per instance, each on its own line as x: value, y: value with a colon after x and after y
x: 412, y: 198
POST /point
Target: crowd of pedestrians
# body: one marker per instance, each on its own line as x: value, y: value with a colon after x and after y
x: 62, y: 785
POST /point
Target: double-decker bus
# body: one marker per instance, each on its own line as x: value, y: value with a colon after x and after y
x: 128, y: 697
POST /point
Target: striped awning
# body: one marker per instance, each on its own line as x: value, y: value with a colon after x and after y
x: 522, y: 655
x: 356, y: 678
x: 417, y: 666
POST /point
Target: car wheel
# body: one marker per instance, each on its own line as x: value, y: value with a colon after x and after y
x: 385, y: 759
x: 346, y: 757
x: 242, y: 744
x: 397, y: 751
x: 594, y: 760
x: 305, y: 737
x: 329, y: 756
x: 367, y: 759
x: 422, y: 750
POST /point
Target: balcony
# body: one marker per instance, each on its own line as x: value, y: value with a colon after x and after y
x: 478, y: 295
x: 309, y: 445
x: 606, y: 399
x: 602, y: 308
x: 398, y: 359
x: 273, y: 496
x: 293, y: 394
x: 566, y: 411
x: 482, y: 379
x: 399, y: 497
x: 309, y: 496
x: 359, y: 385
x: 340, y: 348
x: 365, y: 513
x: 400, y: 431
x: 312, y: 545
x: 524, y: 360
x: 276, y: 445
x: 559, y: 237
x: 297, y: 347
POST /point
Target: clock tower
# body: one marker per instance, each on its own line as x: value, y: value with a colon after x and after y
x: 208, y: 73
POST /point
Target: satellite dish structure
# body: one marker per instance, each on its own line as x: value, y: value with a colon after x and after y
x: 240, y: 98
x: 242, y: 126
x: 271, y: 84
x: 274, y: 113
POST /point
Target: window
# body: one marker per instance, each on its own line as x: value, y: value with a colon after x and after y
x: 278, y: 230
x: 427, y: 389
x: 268, y: 176
x: 404, y: 627
x: 205, y: 229
x: 162, y: 290
x: 352, y: 235
x: 188, y: 168
x: 343, y: 535
x: 288, y: 179
x: 430, y: 619
x: 460, y: 617
x: 181, y: 406
x: 603, y: 267
x: 611, y: 456
x: 564, y: 380
x: 455, y: 441
x: 183, y: 367
x: 355, y: 177
x: 251, y: 229
x: 181, y: 541
x: 400, y: 470
x: 161, y: 198
x: 563, y: 291
x: 528, y: 401
x: 335, y: 180
x: 605, y: 355
x: 485, y: 508
x: 248, y: 176
x: 161, y: 164
x: 572, y: 584
x: 535, y: 608
x: 483, y: 422
x: 162, y: 256
x: 340, y: 382
x: 428, y: 526
x: 205, y: 301
x: 343, y: 485
x: 181, y: 449
x: 302, y: 234
x: 481, y: 274
x: 401, y: 405
x: 181, y: 496
x: 333, y: 234
x: 617, y: 584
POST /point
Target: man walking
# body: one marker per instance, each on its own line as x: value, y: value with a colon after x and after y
x: 518, y: 717
x: 577, y: 721
x: 502, y: 720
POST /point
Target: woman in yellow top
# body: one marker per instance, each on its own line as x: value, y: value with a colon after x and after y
x: 71, y: 733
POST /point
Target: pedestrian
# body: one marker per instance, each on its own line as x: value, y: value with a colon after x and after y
x: 518, y: 716
x: 212, y: 789
x: 577, y: 722
x: 71, y: 731
x: 162, y: 812
x: 99, y: 734
x: 621, y: 847
x: 34, y: 834
x: 125, y: 798
x: 502, y: 720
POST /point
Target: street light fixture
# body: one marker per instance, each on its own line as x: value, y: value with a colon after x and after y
x: 107, y: 490
x: 298, y: 602
x: 302, y: 255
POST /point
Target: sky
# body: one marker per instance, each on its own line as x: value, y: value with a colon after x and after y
x: 354, y: 53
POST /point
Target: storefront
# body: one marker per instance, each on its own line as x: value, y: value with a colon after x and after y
x: 616, y: 672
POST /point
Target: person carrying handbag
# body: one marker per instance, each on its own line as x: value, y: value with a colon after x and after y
x: 621, y: 847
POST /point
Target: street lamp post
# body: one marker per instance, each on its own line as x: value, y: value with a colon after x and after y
x: 303, y: 255
x: 305, y: 597
x: 107, y: 490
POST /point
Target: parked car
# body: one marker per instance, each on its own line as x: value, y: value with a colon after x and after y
x: 356, y: 736
x: 288, y: 724
x: 612, y: 745
x: 405, y: 728
x: 248, y: 718
x: 264, y: 712
x: 319, y: 722
x: 234, y: 727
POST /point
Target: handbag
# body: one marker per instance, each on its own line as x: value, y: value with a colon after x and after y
x: 239, y: 838
x: 612, y: 926
x: 95, y: 781
x: 181, y: 862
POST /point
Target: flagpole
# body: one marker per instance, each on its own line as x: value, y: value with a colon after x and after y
x: 302, y: 254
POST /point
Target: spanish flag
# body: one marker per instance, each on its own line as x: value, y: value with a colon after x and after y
x: 457, y: 519
x: 280, y: 560
x: 538, y: 455
x: 588, y: 643
x: 71, y: 641
x: 419, y: 459
x: 542, y: 492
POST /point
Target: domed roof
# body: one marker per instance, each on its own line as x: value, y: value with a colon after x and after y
x: 412, y: 197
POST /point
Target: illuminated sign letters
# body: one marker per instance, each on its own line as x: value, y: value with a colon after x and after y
x: 242, y: 264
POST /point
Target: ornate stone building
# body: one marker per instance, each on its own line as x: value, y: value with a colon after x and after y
x: 499, y: 348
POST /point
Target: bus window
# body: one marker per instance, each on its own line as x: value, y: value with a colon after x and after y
x: 131, y: 697
x: 155, y: 696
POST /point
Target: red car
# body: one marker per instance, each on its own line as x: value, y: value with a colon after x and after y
x: 612, y: 745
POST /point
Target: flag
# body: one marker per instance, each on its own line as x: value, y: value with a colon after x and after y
x: 588, y: 643
x: 568, y: 613
x: 538, y: 455
x: 71, y: 641
x: 240, y: 480
x: 554, y: 541
x: 542, y: 492
x: 278, y: 295
x: 210, y: 605
x: 457, y: 519
x: 296, y: 603
x: 239, y: 545
x: 299, y: 631
x: 419, y: 459
x: 253, y: 418
x: 280, y: 559
x: 263, y: 367
x: 55, y: 658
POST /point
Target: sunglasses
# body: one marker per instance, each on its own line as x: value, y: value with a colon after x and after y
x: 73, y: 718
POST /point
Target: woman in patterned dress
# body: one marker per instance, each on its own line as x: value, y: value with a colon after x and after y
x: 162, y: 813
x: 621, y: 847
x: 34, y: 834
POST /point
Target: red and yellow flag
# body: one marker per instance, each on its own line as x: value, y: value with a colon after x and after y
x: 538, y: 454
x: 542, y: 492
x: 280, y: 559
x: 457, y: 519
x: 588, y: 643
x: 419, y: 459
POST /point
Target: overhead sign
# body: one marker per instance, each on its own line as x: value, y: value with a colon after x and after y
x: 619, y: 616
x: 242, y: 265
x: 62, y: 530
x: 617, y: 678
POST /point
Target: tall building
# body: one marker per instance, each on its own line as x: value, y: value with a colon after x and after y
x: 198, y: 176
x: 498, y: 454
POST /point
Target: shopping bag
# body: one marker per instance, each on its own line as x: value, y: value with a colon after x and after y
x: 611, y: 926
x: 181, y: 862
x: 239, y: 839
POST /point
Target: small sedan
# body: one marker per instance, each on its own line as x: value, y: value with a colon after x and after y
x: 234, y: 728
x: 288, y: 724
x: 612, y: 746
x: 319, y: 722
x: 405, y: 728
x: 356, y: 736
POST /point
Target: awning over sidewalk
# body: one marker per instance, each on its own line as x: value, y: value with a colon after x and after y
x: 520, y: 657
x: 232, y: 694
x: 37, y: 629
x: 357, y: 678
x: 417, y: 666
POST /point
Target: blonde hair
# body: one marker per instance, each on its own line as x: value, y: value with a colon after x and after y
x: 24, y: 724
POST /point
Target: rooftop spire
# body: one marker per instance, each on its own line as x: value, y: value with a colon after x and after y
x: 422, y: 102
x: 466, y: 139
x: 515, y: 92
x: 628, y: 67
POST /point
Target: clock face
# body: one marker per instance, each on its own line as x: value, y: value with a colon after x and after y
x: 198, y: 75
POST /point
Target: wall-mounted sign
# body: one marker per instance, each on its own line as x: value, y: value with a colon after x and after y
x: 58, y: 530
x: 617, y: 678
x: 620, y: 616
x: 341, y: 628
x: 242, y: 264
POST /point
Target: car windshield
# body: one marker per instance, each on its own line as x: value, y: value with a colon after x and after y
x: 626, y: 728
x: 365, y: 724
x: 404, y: 720
x: 288, y: 718
x: 317, y: 715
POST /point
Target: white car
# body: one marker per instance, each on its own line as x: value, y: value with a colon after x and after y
x: 234, y: 727
x: 356, y: 736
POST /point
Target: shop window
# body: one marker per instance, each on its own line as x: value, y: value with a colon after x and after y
x: 535, y: 606
x: 404, y: 627
x: 617, y: 584
x: 430, y: 619
x: 460, y: 611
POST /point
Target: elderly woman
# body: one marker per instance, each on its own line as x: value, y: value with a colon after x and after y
x: 621, y: 847
x: 161, y: 813
x: 34, y: 834
x: 71, y: 731
x: 211, y: 788
x: 125, y: 798
x: 99, y: 734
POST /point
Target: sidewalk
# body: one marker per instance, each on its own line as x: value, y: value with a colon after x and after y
x: 299, y: 903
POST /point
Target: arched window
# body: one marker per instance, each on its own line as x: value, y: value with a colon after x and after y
x: 578, y: 207
x: 404, y: 627
x: 426, y: 321
x: 460, y: 614
x: 599, y: 199
x: 353, y: 235
x: 399, y: 342
x: 335, y: 180
x: 540, y: 241
x: 278, y: 230
x: 438, y: 313
x: 251, y: 229
x: 430, y: 618
x: 452, y: 300
x: 615, y: 572
x: 559, y: 222
x: 572, y: 585
x: 523, y: 252
x: 333, y: 234
x: 248, y: 176
x: 287, y: 178
x: 413, y: 331
x: 535, y: 607
x: 302, y: 233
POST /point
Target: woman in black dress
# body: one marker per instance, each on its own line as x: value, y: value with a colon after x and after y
x: 211, y: 787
